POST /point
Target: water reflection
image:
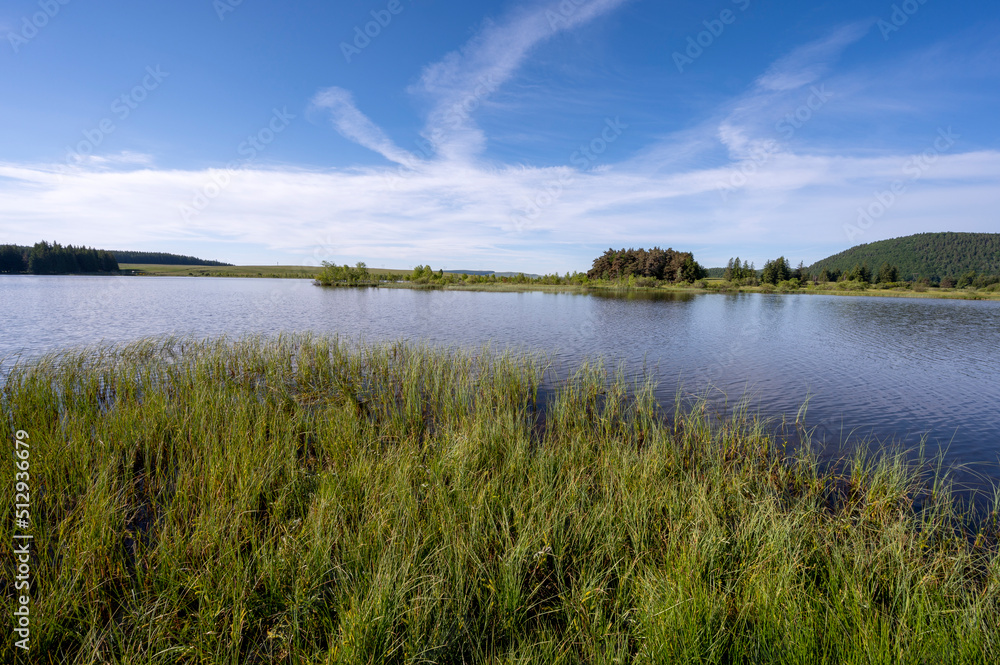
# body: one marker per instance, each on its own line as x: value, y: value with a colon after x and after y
x: 893, y: 368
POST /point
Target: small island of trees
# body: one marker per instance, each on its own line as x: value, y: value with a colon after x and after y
x: 647, y: 266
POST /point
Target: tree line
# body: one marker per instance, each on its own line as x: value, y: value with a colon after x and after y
x: 54, y: 259
x: 162, y: 258
x: 360, y: 275
x: 357, y: 276
x: 778, y: 272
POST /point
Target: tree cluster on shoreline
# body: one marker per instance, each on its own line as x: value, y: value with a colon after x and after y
x: 778, y: 273
x: 657, y: 264
x: 55, y: 259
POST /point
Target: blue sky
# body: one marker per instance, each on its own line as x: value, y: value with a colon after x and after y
x: 523, y: 135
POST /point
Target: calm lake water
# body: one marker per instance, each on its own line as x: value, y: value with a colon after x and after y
x: 897, y: 369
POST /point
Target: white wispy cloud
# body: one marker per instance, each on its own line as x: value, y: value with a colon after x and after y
x: 354, y: 125
x: 465, y: 79
x: 808, y: 63
x: 456, y: 218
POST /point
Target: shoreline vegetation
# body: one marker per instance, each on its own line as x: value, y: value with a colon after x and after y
x: 944, y: 265
x: 301, y: 499
x: 970, y: 287
x: 775, y: 278
x: 382, y: 278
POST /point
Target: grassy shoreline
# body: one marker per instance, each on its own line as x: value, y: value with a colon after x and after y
x: 952, y: 294
x: 307, y: 272
x: 298, y: 499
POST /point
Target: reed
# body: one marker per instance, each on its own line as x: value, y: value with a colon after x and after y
x: 301, y: 499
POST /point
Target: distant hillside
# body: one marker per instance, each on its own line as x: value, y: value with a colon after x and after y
x: 162, y: 259
x: 931, y: 255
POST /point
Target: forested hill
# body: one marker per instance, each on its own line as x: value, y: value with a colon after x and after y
x: 931, y: 255
x: 46, y: 258
x: 162, y: 258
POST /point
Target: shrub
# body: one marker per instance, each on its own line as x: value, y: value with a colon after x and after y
x: 789, y: 284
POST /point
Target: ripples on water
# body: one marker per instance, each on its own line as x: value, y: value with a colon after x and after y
x: 897, y: 369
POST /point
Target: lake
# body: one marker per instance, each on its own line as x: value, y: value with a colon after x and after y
x: 895, y: 369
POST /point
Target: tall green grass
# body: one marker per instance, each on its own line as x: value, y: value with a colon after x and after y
x: 302, y: 500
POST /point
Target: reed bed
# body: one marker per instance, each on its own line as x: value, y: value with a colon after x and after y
x: 301, y: 499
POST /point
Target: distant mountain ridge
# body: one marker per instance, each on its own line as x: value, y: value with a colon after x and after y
x: 931, y: 255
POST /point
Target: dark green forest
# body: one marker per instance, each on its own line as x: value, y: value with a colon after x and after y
x: 932, y: 256
x: 55, y: 259
x: 52, y: 258
x: 163, y: 259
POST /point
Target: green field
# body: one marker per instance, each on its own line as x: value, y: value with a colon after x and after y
x: 297, y: 272
x: 300, y: 500
x: 301, y: 272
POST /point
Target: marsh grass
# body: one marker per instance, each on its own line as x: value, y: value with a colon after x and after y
x: 299, y: 499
